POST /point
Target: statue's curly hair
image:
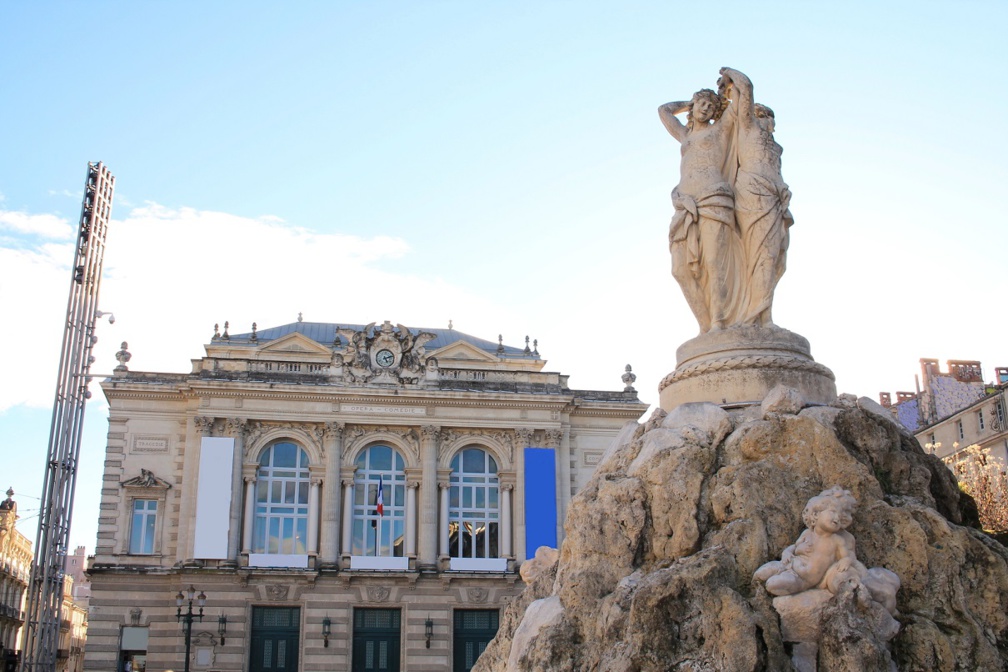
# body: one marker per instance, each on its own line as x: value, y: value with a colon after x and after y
x: 835, y: 496
x: 762, y: 110
x: 720, y: 104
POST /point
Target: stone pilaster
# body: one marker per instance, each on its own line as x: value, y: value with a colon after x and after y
x: 333, y: 442
x: 429, y: 436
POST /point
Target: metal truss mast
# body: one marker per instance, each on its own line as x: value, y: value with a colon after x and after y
x: 45, y: 590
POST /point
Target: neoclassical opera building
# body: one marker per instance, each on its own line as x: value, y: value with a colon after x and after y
x: 346, y: 497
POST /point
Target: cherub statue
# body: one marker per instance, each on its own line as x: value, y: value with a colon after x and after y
x: 825, y: 543
x: 824, y: 555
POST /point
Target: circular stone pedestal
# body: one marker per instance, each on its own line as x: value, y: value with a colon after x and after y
x: 741, y: 365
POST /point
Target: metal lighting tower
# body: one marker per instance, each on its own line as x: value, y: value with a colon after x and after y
x: 45, y: 589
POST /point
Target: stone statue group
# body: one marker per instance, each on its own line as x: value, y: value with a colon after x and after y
x: 729, y: 234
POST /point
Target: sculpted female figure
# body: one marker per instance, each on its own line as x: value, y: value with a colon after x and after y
x: 702, y: 236
x: 761, y: 198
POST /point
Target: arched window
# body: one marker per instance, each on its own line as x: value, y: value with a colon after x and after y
x: 379, y: 534
x: 281, y: 509
x: 473, y: 509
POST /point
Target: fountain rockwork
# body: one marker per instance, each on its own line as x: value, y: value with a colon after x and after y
x: 657, y: 568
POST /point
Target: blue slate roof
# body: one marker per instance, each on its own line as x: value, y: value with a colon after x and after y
x: 325, y: 332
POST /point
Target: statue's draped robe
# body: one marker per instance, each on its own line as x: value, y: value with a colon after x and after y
x: 763, y: 219
x: 707, y: 254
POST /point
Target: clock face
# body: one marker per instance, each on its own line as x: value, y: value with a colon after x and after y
x: 385, y: 358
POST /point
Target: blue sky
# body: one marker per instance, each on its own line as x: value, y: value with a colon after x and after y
x: 500, y: 165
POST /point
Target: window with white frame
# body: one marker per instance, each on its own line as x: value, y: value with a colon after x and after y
x: 143, y: 527
x: 474, y: 511
x: 281, y: 507
x: 379, y: 520
x: 144, y: 509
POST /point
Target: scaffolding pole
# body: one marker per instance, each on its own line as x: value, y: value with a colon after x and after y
x: 40, y: 645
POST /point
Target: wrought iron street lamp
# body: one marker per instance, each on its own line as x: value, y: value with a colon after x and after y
x: 187, y: 618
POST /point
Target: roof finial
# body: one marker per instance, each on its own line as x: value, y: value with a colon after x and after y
x: 450, y: 324
x: 500, y: 344
x: 527, y: 350
x: 122, y: 357
x: 535, y: 347
x: 225, y: 335
x: 300, y: 317
x: 216, y: 331
x: 628, y: 379
x: 254, y: 336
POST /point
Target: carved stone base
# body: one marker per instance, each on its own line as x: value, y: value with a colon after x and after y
x: 741, y: 365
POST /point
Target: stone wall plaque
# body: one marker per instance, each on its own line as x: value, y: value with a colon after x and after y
x: 383, y: 410
x: 150, y: 444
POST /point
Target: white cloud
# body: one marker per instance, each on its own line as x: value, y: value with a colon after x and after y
x: 45, y: 225
x: 171, y: 274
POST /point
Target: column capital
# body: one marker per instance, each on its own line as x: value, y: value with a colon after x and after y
x: 430, y: 431
x: 204, y: 424
x: 236, y: 426
x: 524, y: 434
x: 334, y: 430
x: 249, y: 479
x: 553, y: 437
x: 316, y: 481
x: 506, y: 487
x: 347, y: 482
x: 412, y: 485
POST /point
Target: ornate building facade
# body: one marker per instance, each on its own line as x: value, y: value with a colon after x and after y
x: 347, y: 497
x: 15, y: 568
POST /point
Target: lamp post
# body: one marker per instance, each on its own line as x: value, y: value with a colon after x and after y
x: 187, y: 618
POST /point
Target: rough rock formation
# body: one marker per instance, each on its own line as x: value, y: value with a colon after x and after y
x: 655, y: 572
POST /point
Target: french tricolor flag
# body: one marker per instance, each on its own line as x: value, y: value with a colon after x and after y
x: 380, y: 499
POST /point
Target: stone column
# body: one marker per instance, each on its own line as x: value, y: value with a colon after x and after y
x: 522, y: 440
x: 429, y: 497
x: 313, y: 515
x: 348, y: 498
x: 203, y: 426
x: 246, y: 545
x: 443, y: 521
x: 556, y: 439
x: 333, y: 444
x: 411, y: 516
x: 236, y: 427
x: 505, y: 531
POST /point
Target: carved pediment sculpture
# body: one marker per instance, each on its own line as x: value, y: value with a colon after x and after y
x: 384, y: 355
x: 146, y: 479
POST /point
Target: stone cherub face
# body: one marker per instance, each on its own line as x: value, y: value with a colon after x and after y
x: 829, y: 512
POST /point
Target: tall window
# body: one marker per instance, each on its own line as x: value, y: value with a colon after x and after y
x: 143, y: 526
x: 980, y: 420
x: 959, y: 430
x: 281, y: 511
x: 379, y: 534
x: 473, y: 508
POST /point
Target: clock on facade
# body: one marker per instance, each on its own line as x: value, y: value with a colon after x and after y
x: 385, y: 358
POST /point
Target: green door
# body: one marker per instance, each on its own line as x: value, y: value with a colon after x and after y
x: 376, y: 640
x: 474, y: 628
x: 275, y: 633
